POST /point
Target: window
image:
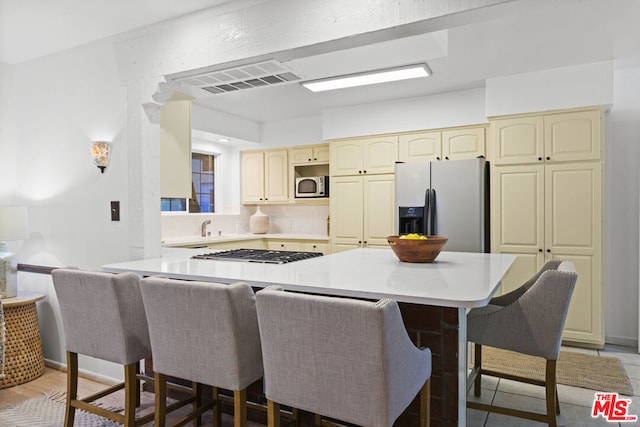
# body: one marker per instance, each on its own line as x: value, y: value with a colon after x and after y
x: 202, y: 188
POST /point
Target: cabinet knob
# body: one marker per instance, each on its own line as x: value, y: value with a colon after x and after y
x: 446, y: 158
x: 549, y: 250
x: 314, y: 159
x: 309, y: 160
x: 365, y: 172
x: 548, y: 158
x: 359, y: 241
x: 359, y: 171
x: 365, y: 242
x: 260, y: 198
x: 540, y: 158
x: 539, y: 250
x: 437, y: 158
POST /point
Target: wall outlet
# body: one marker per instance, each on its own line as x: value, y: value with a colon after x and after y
x: 115, y: 211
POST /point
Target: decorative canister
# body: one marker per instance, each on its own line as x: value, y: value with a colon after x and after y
x: 259, y: 222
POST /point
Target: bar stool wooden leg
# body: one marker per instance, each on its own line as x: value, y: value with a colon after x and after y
x: 240, y: 408
x: 72, y: 388
x: 197, y: 403
x: 217, y: 410
x: 160, y: 390
x: 425, y: 404
x: 477, y: 363
x: 130, y: 399
x: 273, y: 414
x: 317, y: 420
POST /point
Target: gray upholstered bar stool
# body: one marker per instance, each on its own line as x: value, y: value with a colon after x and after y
x: 345, y: 359
x: 206, y: 333
x: 103, y: 317
x: 527, y: 320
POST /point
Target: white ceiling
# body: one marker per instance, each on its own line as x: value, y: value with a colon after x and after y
x: 34, y: 28
x: 535, y: 35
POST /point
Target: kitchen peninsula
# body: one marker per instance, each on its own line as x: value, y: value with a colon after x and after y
x: 433, y: 298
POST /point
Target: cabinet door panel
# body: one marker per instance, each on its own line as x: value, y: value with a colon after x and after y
x: 463, y: 144
x: 519, y: 208
x: 420, y: 147
x: 380, y: 155
x: 518, y: 140
x: 252, y: 177
x: 346, y: 210
x: 573, y: 216
x: 301, y: 155
x: 573, y: 136
x: 346, y: 157
x: 321, y: 153
x: 584, y: 318
x: 379, y: 209
x: 276, y: 176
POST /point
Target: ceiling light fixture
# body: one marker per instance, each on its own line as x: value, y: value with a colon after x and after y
x: 368, y: 78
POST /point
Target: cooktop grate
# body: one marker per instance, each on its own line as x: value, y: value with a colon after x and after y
x: 259, y: 255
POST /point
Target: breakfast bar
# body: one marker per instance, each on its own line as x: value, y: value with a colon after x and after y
x: 433, y: 298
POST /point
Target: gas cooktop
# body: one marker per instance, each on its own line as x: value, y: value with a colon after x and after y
x: 259, y: 255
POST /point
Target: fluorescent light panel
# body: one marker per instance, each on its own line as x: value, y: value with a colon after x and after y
x: 368, y: 78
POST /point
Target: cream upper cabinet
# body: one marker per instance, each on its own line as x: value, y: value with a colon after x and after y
x: 360, y: 156
x: 420, y: 147
x: 558, y: 137
x: 573, y: 136
x: 175, y: 149
x: 554, y: 211
x: 517, y: 140
x: 362, y: 211
x: 309, y: 154
x: 265, y: 176
x: 463, y: 143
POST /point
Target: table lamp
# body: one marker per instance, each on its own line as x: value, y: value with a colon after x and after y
x: 13, y: 226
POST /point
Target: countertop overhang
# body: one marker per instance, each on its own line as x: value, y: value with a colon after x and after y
x: 455, y: 279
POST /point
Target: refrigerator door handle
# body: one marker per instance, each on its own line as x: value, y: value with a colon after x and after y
x: 425, y: 214
x: 432, y: 214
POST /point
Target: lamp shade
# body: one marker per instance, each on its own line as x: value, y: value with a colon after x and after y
x: 13, y: 223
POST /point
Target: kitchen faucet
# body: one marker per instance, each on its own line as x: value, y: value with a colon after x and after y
x: 203, y: 227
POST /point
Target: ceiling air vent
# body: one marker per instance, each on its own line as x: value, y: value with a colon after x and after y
x: 266, y: 73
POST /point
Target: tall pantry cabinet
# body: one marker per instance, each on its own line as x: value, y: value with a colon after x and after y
x: 547, y: 204
x: 362, y: 191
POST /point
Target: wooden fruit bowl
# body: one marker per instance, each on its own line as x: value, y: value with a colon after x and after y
x: 413, y: 250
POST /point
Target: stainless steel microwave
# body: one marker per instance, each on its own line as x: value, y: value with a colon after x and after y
x: 312, y: 186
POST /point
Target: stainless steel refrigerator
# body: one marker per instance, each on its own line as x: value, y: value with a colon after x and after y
x: 446, y: 198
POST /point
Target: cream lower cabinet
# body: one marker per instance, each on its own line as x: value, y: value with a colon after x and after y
x: 362, y: 211
x: 265, y: 176
x: 298, y: 245
x: 554, y: 211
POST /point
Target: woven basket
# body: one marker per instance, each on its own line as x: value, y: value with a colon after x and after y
x: 23, y: 346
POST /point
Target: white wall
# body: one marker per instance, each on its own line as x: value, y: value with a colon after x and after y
x: 567, y: 87
x: 428, y: 112
x: 59, y: 104
x: 298, y: 131
x: 622, y: 157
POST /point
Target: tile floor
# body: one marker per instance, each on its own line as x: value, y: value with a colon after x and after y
x: 575, y: 403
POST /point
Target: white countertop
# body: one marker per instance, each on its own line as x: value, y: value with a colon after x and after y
x: 197, y: 240
x: 454, y: 280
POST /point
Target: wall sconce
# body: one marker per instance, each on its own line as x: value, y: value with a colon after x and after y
x: 100, y: 151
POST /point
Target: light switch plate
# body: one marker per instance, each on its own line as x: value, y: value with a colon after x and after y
x: 115, y: 211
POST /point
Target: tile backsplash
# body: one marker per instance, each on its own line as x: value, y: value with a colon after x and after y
x: 282, y: 219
